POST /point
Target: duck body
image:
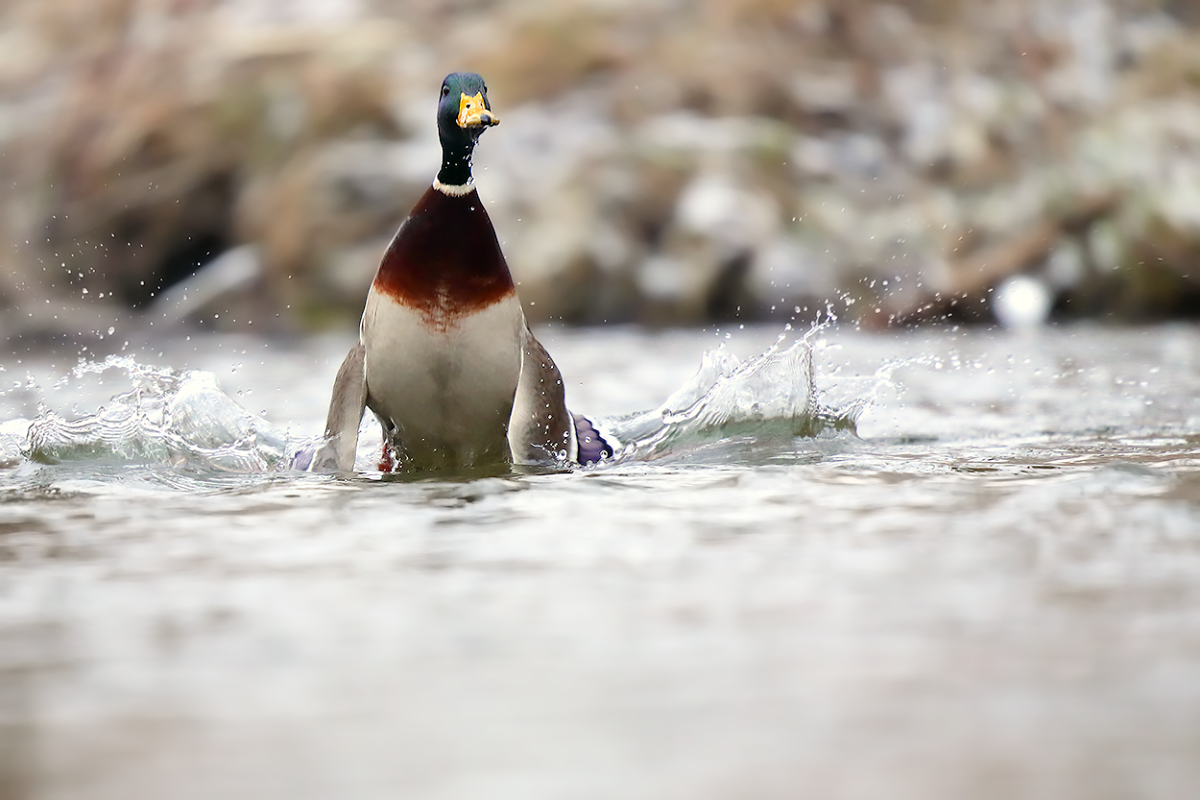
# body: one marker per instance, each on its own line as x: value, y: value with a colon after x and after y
x: 442, y: 332
x: 445, y: 358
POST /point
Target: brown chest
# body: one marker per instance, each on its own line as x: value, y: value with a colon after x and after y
x: 445, y: 262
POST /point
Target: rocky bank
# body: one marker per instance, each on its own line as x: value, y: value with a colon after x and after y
x: 243, y: 163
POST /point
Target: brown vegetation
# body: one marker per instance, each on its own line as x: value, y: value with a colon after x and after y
x: 666, y: 162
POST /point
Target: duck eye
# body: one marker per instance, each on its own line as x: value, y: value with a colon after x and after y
x: 445, y: 90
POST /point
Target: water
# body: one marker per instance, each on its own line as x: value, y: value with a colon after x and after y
x: 992, y: 590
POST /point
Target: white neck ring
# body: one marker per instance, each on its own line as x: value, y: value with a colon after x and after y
x: 453, y: 190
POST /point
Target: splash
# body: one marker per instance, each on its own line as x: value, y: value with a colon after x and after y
x: 771, y: 397
x: 183, y: 419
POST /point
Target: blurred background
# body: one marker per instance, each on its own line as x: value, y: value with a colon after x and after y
x: 237, y: 163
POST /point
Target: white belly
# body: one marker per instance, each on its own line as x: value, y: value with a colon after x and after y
x: 448, y: 393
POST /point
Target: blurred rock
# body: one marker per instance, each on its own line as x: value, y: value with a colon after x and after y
x: 214, y: 289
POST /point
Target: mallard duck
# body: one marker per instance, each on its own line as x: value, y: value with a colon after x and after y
x: 445, y: 358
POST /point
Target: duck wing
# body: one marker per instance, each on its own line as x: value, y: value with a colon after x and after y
x: 345, y: 414
x: 540, y: 426
x: 591, y: 447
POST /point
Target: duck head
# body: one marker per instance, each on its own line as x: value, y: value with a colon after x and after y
x: 463, y: 114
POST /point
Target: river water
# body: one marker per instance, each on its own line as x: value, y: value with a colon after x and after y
x: 990, y: 590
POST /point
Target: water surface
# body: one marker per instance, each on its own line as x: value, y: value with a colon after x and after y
x: 992, y: 590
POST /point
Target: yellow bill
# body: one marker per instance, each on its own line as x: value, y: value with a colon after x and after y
x: 472, y: 112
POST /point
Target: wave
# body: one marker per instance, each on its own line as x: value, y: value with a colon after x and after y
x: 183, y: 419
x: 770, y: 397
